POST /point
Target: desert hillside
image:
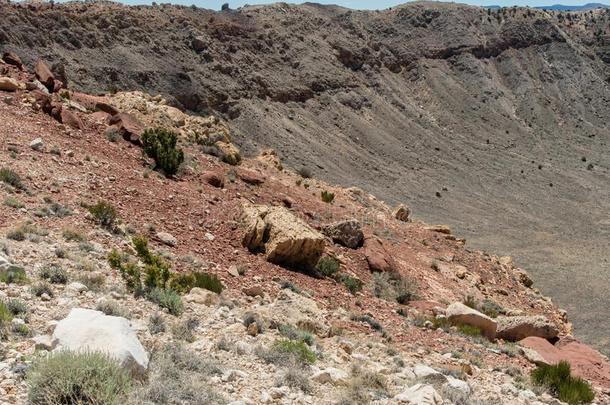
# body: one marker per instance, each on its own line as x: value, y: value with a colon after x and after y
x: 495, y: 122
x: 144, y: 260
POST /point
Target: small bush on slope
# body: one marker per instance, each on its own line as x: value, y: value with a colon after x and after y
x: 10, y: 177
x: 160, y: 145
x: 178, y: 376
x: 71, y: 378
x: 562, y: 384
x: 104, y: 213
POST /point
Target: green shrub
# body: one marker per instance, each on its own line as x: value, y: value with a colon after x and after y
x: 288, y: 352
x: 54, y: 274
x: 112, y: 308
x: 10, y: 177
x: 13, y: 275
x: 168, y: 299
x: 160, y: 145
x: 17, y: 307
x: 295, y: 334
x: 17, y: 234
x: 71, y: 378
x: 558, y: 379
x: 351, y: 283
x: 327, y: 196
x: 41, y: 288
x: 13, y: 203
x: 328, y: 266
x: 469, y: 330
x: 183, y: 283
x: 22, y: 330
x: 5, y: 314
x: 104, y: 213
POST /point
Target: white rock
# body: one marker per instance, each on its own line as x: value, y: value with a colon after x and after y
x: 422, y: 370
x: 37, y: 144
x: 419, y: 394
x: 4, y: 263
x: 77, y: 287
x: 202, y: 296
x: 209, y: 236
x: 88, y: 330
x: 167, y: 238
x: 458, y: 384
x: 265, y: 398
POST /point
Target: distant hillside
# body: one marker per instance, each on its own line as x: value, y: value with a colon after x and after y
x: 561, y: 7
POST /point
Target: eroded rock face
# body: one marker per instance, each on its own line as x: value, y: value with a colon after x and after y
x: 88, y: 330
x: 377, y: 256
x: 516, y: 328
x: 128, y: 126
x: 12, y: 59
x: 347, y: 233
x: 281, y: 236
x: 460, y: 314
x: 44, y: 75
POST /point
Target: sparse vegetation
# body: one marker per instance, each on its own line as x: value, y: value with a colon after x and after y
x: 295, y: 377
x: 17, y: 307
x: 94, y: 282
x: 394, y: 287
x: 287, y: 353
x: 13, y: 203
x: 71, y: 378
x: 295, y: 334
x: 185, y: 330
x: 54, y: 274
x: 160, y: 145
x: 104, y: 214
x: 11, y: 178
x: 112, y: 308
x: 328, y: 266
x: 13, y: 274
x: 559, y: 381
x: 168, y: 299
x: 469, y: 330
x: 156, y: 324
x: 351, y: 283
x: 41, y: 288
x: 183, y: 283
x: 327, y: 196
x: 178, y: 376
x: 368, y: 320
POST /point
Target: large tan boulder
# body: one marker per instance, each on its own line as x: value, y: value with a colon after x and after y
x: 514, y: 328
x: 8, y: 84
x: 460, y: 314
x: 281, y: 236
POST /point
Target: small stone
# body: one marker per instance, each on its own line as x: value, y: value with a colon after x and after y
x: 37, y: 144
x: 77, y: 287
x: 252, y: 329
x: 232, y: 270
x: 167, y: 238
x: 44, y: 342
x: 254, y: 291
x: 209, y: 236
x: 45, y: 297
